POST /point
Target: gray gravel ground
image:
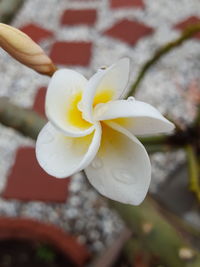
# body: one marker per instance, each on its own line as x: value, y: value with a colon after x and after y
x: 162, y: 87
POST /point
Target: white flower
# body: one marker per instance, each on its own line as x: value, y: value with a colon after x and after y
x: 91, y: 129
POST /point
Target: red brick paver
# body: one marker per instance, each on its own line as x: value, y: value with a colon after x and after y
x: 189, y: 21
x: 126, y: 3
x: 39, y: 104
x: 36, y: 32
x: 128, y: 31
x: 27, y: 181
x: 83, y: 16
x: 71, y: 53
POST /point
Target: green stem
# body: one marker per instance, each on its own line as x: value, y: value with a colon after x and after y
x: 25, y: 121
x: 8, y: 9
x: 187, y: 34
x: 197, y: 119
x: 155, y: 140
x: 159, y: 143
x: 193, y: 170
x: 157, y: 235
x: 158, y: 148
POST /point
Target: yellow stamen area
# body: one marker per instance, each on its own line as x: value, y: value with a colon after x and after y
x: 81, y: 144
x: 74, y: 115
x: 103, y: 96
x: 110, y: 138
x: 121, y: 121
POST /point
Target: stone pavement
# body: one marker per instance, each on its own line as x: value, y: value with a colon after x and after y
x: 85, y: 35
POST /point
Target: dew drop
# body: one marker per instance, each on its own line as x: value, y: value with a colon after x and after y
x: 131, y: 98
x: 97, y: 163
x: 123, y: 176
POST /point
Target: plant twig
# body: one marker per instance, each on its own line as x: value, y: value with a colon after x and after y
x: 155, y: 140
x: 187, y: 34
x: 151, y: 149
x: 197, y: 119
x: 158, y: 143
x: 8, y: 9
x: 25, y: 121
x: 157, y: 235
x: 193, y: 170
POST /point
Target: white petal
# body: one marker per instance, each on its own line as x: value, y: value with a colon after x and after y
x: 121, y: 170
x: 63, y: 84
x: 62, y: 156
x: 138, y: 117
x: 114, y: 78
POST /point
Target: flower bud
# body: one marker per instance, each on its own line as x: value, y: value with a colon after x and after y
x: 25, y: 50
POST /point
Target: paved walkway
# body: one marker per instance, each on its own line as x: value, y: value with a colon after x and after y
x: 84, y: 35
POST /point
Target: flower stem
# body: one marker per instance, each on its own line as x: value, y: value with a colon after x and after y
x: 193, y: 170
x: 154, y: 230
x: 155, y: 140
x: 197, y: 119
x: 187, y: 34
x: 25, y: 121
x: 158, y: 148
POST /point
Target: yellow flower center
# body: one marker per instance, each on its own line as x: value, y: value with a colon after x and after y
x: 103, y: 96
x: 74, y: 115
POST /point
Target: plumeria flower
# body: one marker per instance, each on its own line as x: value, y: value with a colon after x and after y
x: 90, y: 127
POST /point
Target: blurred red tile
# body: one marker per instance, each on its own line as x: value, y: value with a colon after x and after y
x: 82, y: 16
x: 71, y: 53
x: 39, y: 104
x: 126, y: 3
x: 189, y: 21
x: 128, y: 31
x: 36, y: 32
x: 27, y: 181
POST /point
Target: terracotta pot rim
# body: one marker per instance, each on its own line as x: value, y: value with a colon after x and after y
x: 32, y: 229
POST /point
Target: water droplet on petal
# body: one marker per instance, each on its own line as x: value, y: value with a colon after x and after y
x: 97, y: 163
x: 131, y: 98
x: 123, y: 176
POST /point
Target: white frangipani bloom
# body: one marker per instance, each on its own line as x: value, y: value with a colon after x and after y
x: 91, y: 129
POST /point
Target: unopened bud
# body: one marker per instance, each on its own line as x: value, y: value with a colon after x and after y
x: 25, y: 50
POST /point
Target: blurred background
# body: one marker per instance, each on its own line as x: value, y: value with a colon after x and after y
x: 50, y: 222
